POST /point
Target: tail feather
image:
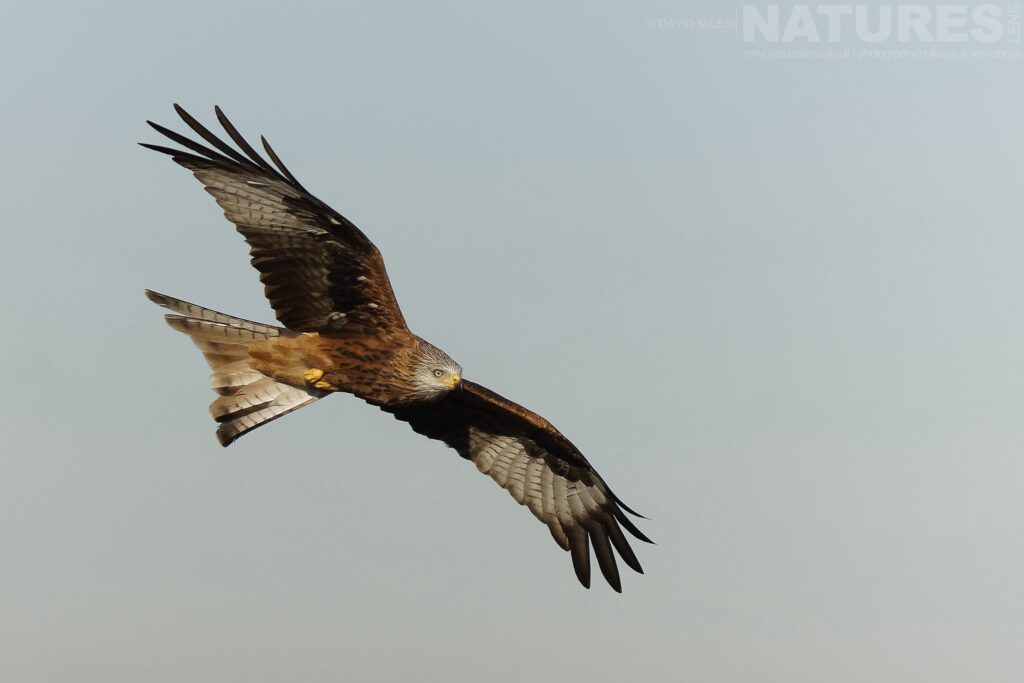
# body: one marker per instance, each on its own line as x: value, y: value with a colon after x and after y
x: 198, y: 312
x: 232, y: 376
x: 243, y: 412
x: 247, y: 398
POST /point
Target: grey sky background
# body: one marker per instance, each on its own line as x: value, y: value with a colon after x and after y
x: 778, y: 304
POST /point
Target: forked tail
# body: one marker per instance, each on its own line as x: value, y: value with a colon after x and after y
x: 247, y: 398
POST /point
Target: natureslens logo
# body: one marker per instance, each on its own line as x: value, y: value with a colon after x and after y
x: 827, y: 30
x: 881, y: 23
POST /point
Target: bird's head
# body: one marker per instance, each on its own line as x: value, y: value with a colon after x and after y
x: 435, y: 373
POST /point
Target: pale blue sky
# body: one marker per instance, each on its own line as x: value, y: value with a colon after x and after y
x: 777, y: 302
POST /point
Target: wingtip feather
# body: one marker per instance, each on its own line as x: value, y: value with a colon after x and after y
x: 579, y: 549
x: 605, y: 556
x: 239, y: 140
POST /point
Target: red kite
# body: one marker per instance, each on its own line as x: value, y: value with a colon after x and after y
x: 344, y: 332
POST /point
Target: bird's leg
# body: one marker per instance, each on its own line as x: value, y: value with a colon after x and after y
x: 314, y: 376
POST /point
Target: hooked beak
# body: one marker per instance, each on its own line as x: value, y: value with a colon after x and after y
x: 454, y: 381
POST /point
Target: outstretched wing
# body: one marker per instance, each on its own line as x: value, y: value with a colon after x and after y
x: 542, y: 470
x: 320, y: 272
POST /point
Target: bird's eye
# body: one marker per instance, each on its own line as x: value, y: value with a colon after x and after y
x: 438, y: 373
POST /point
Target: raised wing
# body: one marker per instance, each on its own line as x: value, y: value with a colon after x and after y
x: 542, y: 470
x: 320, y: 272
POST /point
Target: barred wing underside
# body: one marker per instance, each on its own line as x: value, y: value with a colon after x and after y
x: 320, y: 272
x: 539, y: 467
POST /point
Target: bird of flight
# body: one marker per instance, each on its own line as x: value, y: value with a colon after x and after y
x: 343, y: 332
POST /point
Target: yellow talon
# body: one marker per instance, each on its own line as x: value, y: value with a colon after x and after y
x: 323, y: 385
x: 313, y: 375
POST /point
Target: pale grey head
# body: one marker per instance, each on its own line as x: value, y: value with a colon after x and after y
x: 435, y: 373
